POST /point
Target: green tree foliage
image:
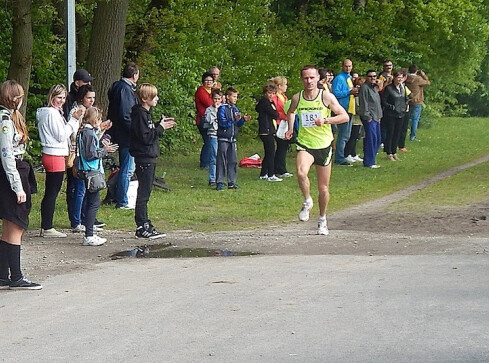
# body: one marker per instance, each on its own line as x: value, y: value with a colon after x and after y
x: 175, y: 41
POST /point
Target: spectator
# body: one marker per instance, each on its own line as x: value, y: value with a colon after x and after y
x: 216, y: 73
x: 280, y: 99
x: 394, y: 101
x: 326, y: 77
x: 405, y: 121
x: 145, y: 149
x: 230, y: 120
x: 267, y: 121
x: 416, y: 81
x: 54, y: 133
x: 17, y: 181
x: 370, y: 110
x: 385, y: 77
x: 203, y: 99
x: 211, y: 125
x: 356, y: 127
x: 122, y: 97
x: 345, y: 92
x: 90, y: 156
x: 75, y: 187
x: 80, y: 77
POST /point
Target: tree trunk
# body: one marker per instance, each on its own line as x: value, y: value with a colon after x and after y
x: 21, y: 55
x: 360, y: 4
x: 107, y: 46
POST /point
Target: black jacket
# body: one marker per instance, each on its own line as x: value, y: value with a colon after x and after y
x: 267, y: 112
x: 122, y: 97
x: 70, y: 100
x: 394, y: 102
x: 144, y: 134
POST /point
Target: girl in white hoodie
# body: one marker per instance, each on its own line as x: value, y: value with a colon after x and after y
x: 54, y: 132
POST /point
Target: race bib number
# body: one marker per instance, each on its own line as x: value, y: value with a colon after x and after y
x: 307, y: 119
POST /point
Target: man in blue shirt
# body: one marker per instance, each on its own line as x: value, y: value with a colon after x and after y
x: 344, y: 91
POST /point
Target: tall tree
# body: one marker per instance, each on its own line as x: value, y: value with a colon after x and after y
x: 21, y: 55
x: 107, y: 45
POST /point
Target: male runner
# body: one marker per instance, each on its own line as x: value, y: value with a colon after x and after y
x: 314, y: 139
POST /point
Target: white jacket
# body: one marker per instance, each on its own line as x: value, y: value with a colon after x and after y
x: 54, y: 131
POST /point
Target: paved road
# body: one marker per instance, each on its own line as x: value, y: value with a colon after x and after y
x: 425, y: 308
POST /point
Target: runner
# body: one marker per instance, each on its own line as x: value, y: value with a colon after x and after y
x: 314, y: 106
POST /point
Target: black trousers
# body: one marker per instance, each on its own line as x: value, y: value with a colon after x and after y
x: 393, y: 132
x: 93, y: 203
x: 54, y: 180
x: 351, y: 145
x: 146, y: 174
x: 404, y: 127
x: 280, y: 163
x: 267, y: 167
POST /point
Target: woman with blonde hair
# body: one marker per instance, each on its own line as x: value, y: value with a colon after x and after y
x: 17, y: 181
x: 279, y: 100
x: 54, y: 132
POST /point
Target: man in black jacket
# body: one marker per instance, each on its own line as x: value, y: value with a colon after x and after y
x: 80, y: 78
x: 122, y: 97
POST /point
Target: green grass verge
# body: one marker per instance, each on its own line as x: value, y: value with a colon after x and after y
x: 459, y: 190
x: 193, y: 205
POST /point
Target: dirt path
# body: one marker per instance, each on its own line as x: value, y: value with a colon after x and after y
x: 365, y: 229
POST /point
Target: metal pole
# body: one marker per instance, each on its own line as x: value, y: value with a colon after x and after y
x: 70, y: 41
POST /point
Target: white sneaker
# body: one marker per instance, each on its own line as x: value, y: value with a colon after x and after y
x: 52, y: 233
x: 273, y: 178
x: 350, y: 159
x: 78, y: 229
x: 94, y: 240
x: 306, y: 208
x: 357, y: 158
x: 286, y: 175
x: 264, y: 177
x: 375, y: 166
x: 322, y: 226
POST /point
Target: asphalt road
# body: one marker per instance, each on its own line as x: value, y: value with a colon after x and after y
x: 419, y: 308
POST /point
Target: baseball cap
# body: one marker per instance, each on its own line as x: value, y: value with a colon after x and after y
x: 82, y: 75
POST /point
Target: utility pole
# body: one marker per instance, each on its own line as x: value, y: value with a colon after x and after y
x: 70, y: 41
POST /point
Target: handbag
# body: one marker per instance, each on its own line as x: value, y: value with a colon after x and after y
x: 283, y: 127
x: 95, y: 181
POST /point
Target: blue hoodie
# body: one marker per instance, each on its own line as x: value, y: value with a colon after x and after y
x: 341, y: 89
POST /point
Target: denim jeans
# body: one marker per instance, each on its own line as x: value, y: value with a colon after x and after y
x: 93, y: 203
x: 126, y: 162
x: 414, y: 115
x: 344, y: 131
x: 78, y: 203
x: 212, y: 158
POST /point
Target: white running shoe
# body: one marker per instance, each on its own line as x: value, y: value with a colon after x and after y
x: 357, y: 158
x: 52, y: 233
x: 273, y: 178
x: 78, y: 229
x: 375, y: 166
x: 94, y: 240
x: 350, y: 159
x: 286, y: 175
x: 306, y: 208
x: 264, y: 177
x: 322, y: 226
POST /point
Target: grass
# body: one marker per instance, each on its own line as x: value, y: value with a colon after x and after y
x: 193, y: 205
x: 466, y: 187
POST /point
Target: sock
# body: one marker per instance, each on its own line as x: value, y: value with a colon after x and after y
x: 4, y: 266
x: 14, y: 262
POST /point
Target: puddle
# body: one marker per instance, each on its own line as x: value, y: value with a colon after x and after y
x: 168, y: 251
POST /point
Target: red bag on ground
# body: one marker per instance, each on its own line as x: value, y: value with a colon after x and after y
x: 254, y: 161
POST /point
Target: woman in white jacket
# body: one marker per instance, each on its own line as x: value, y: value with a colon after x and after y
x: 54, y: 132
